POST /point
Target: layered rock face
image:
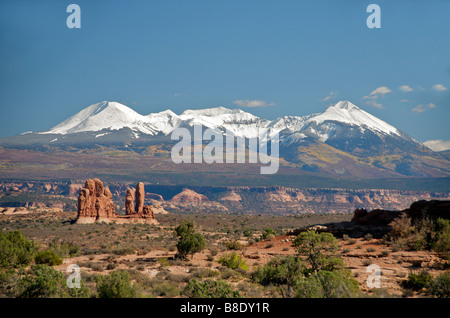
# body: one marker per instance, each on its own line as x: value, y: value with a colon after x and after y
x: 273, y: 200
x: 95, y: 204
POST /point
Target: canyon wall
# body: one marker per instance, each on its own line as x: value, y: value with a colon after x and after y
x: 255, y: 200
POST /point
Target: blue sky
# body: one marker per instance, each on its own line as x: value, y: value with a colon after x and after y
x: 271, y: 58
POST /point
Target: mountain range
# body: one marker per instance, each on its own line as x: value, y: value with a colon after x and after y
x: 340, y: 141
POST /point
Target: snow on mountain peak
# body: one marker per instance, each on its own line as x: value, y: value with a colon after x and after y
x: 167, y: 112
x: 236, y: 121
x: 165, y: 121
x: 211, y: 112
x: 345, y: 105
x: 103, y: 115
x: 115, y: 116
x: 348, y: 113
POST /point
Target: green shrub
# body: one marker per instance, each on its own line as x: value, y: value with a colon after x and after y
x: 279, y: 271
x: 163, y: 262
x: 209, y: 289
x: 116, y: 285
x: 228, y: 274
x: 43, y: 282
x: 8, y: 282
x: 166, y: 289
x: 98, y: 267
x: 319, y: 249
x: 111, y: 266
x: 206, y: 272
x: 440, y: 286
x: 123, y: 251
x: 233, y: 244
x: 422, y: 234
x: 47, y: 257
x: 64, y: 249
x: 268, y: 234
x: 418, y: 281
x: 82, y: 292
x: 15, y: 250
x: 442, y: 244
x: 326, y: 284
x: 385, y: 252
x: 189, y: 242
x: 233, y: 261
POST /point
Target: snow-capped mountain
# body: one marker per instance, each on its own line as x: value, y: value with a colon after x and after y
x: 340, y: 139
x: 113, y: 116
x: 349, y: 128
x: 235, y: 121
x: 342, y: 125
x: 347, y: 113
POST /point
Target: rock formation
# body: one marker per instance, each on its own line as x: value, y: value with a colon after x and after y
x: 231, y: 196
x: 148, y: 212
x: 273, y: 200
x: 140, y: 197
x: 95, y: 204
x: 375, y: 217
x: 432, y: 209
x: 189, y: 196
x: 378, y: 222
x: 189, y: 200
x: 129, y: 202
x: 140, y: 210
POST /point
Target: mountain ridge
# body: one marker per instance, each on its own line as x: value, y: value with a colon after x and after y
x: 341, y: 140
x: 115, y: 116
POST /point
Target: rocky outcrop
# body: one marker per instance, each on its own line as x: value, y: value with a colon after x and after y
x: 139, y: 198
x: 157, y: 208
x: 231, y: 196
x: 378, y: 222
x: 95, y: 204
x: 375, y: 217
x: 189, y: 200
x: 74, y: 188
x: 432, y: 209
x: 189, y: 196
x: 129, y: 202
x: 147, y: 212
x: 141, y: 211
